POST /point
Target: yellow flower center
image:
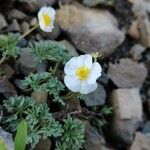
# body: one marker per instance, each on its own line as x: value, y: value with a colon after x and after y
x: 47, y: 19
x: 82, y: 73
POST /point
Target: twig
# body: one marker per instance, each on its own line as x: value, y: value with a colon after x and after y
x: 3, y: 59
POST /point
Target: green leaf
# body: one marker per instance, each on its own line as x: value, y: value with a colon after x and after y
x: 21, y: 136
x: 2, y: 145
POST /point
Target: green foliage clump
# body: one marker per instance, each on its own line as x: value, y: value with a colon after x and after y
x: 41, y: 123
x: 8, y: 45
x: 47, y: 82
x: 73, y: 136
x: 54, y: 88
x: 49, y: 50
x: 34, y: 81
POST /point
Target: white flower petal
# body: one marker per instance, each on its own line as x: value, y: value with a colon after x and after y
x: 73, y: 83
x: 87, y: 88
x: 51, y: 12
x: 95, y: 73
x: 87, y: 61
x: 72, y: 65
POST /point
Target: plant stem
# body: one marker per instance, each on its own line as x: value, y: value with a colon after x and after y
x: 56, y: 67
x: 41, y: 67
x: 28, y: 32
x: 3, y: 59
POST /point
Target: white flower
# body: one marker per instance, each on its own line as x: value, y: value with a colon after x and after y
x: 46, y: 17
x: 81, y: 74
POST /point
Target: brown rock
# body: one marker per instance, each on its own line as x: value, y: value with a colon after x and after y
x: 142, y: 25
x: 141, y: 142
x: 127, y: 73
x: 7, y: 89
x: 39, y: 96
x: 72, y: 104
x: 93, y: 140
x: 8, y: 71
x: 127, y: 114
x: 90, y: 30
x: 44, y: 144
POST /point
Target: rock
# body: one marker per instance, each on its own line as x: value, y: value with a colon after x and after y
x: 141, y: 142
x: 16, y: 14
x: 90, y: 30
x: 96, y: 98
x: 14, y: 26
x: 127, y: 114
x: 8, y: 71
x: 44, y: 144
x: 93, y: 140
x: 53, y: 35
x: 34, y: 5
x: 136, y: 51
x: 70, y: 48
x: 8, y: 139
x: 7, y: 89
x: 39, y: 96
x: 146, y: 128
x: 142, y: 22
x: 27, y: 62
x: 72, y: 104
x: 1, y: 112
x: 25, y: 27
x: 127, y: 73
x: 64, y: 2
x: 3, y: 23
x: 133, y: 30
x: 149, y: 106
x: 104, y: 79
x: 91, y: 3
x: 33, y: 22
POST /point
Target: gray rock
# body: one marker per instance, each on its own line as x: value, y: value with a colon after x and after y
x: 14, y: 26
x: 44, y: 144
x: 16, y: 14
x: 3, y: 22
x: 127, y: 115
x: 91, y: 3
x: 7, y: 89
x: 90, y: 30
x: 146, y: 128
x: 70, y: 48
x: 136, y: 51
x: 104, y: 79
x: 25, y: 27
x: 141, y: 142
x: 33, y: 22
x: 1, y: 112
x: 96, y: 98
x: 93, y: 140
x: 27, y: 62
x: 127, y: 73
x: 8, y: 139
